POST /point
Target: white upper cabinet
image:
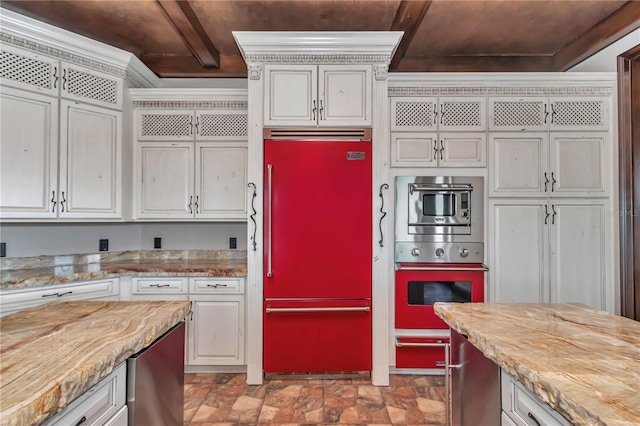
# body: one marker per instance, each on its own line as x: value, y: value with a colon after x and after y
x: 189, y: 125
x: 318, y: 95
x: 30, y: 71
x: 444, y: 114
x: 29, y: 155
x: 579, y: 163
x: 430, y: 149
x: 90, y: 166
x: 541, y: 113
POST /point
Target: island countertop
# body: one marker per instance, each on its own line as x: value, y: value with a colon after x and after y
x: 53, y: 353
x: 583, y: 362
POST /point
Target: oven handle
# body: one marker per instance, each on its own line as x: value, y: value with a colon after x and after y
x: 334, y: 309
x: 440, y: 268
x: 439, y: 187
x: 400, y: 344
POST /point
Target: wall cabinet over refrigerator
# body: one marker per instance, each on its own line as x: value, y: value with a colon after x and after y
x: 318, y: 95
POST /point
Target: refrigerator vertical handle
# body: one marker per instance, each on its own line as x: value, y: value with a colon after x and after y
x: 270, y: 198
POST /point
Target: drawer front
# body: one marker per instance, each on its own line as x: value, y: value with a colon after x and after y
x: 97, y: 405
x: 159, y: 285
x: 420, y: 352
x: 15, y: 300
x: 217, y: 285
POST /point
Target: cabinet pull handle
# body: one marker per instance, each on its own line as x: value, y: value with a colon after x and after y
x: 55, y: 77
x: 546, y: 181
x: 532, y: 417
x: 190, y: 204
x: 64, y: 200
x: 553, y: 113
x: 383, y: 186
x: 441, y: 113
x: 191, y: 126
x: 553, y: 182
x: 160, y: 285
x: 64, y: 79
x: 197, y: 124
x: 82, y: 420
x: 553, y: 218
x: 441, y: 147
x: 435, y: 149
x: 196, y: 205
x: 314, y: 109
x: 53, y: 201
x: 321, y: 109
x: 546, y: 214
x: 57, y: 294
x: 216, y: 285
x: 253, y: 215
x: 546, y: 113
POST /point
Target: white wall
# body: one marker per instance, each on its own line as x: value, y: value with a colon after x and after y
x: 52, y: 238
x: 606, y: 60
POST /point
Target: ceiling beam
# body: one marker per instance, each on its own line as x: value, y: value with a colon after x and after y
x: 475, y: 64
x: 617, y: 25
x: 186, y: 22
x: 408, y: 18
x: 186, y: 66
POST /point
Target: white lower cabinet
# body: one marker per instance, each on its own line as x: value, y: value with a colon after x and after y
x: 549, y: 250
x: 16, y: 300
x: 101, y: 405
x: 520, y: 407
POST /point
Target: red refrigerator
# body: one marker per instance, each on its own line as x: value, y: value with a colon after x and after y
x: 317, y: 264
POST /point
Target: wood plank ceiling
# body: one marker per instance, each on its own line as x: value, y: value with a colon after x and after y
x: 193, y: 38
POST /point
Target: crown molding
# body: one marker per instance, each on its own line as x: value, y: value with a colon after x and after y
x: 190, y: 98
x: 500, y: 90
x: 39, y: 37
x: 328, y: 47
x: 501, y: 79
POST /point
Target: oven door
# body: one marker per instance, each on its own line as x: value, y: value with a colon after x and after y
x: 419, y: 286
x: 434, y: 209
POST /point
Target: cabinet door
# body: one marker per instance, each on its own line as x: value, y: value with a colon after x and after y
x: 518, y: 114
x: 216, y: 333
x: 291, y: 95
x: 462, y: 114
x: 221, y: 125
x: 579, y: 164
x: 165, y: 125
x: 414, y: 113
x: 344, y: 95
x: 463, y: 149
x: 579, y: 114
x: 414, y: 150
x: 25, y: 70
x: 518, y: 165
x: 29, y: 155
x: 90, y: 162
x: 221, y: 181
x: 87, y: 85
x: 166, y: 176
x: 578, y: 252
x: 517, y: 250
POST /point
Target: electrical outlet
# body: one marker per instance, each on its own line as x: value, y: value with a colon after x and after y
x: 157, y: 243
x: 3, y: 249
x: 103, y: 245
x: 233, y: 243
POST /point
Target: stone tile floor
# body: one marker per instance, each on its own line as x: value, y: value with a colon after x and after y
x: 225, y: 399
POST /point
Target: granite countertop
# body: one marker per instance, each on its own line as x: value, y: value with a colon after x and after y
x: 583, y: 362
x: 53, y: 353
x: 46, y: 270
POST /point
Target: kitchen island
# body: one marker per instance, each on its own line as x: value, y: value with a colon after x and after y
x: 584, y: 363
x: 53, y: 353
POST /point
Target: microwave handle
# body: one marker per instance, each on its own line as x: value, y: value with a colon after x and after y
x: 439, y: 187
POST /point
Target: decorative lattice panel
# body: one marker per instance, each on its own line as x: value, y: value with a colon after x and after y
x: 414, y: 114
x: 461, y: 114
x: 90, y: 86
x: 222, y: 125
x: 26, y: 70
x: 578, y: 113
x: 166, y: 125
x: 518, y: 113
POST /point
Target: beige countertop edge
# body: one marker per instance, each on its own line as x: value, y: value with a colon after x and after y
x: 528, y: 377
x: 77, y: 382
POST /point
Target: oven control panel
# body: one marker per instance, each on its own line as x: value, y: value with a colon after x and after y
x: 443, y: 252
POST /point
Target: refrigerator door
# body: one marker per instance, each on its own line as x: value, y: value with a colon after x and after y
x: 317, y: 336
x: 318, y: 221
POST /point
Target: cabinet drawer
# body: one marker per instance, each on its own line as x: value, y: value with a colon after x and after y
x: 217, y: 285
x: 15, y: 300
x: 524, y: 408
x: 97, y: 405
x: 159, y: 286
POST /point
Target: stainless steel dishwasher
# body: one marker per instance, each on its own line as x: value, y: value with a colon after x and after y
x: 155, y: 381
x: 475, y: 385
